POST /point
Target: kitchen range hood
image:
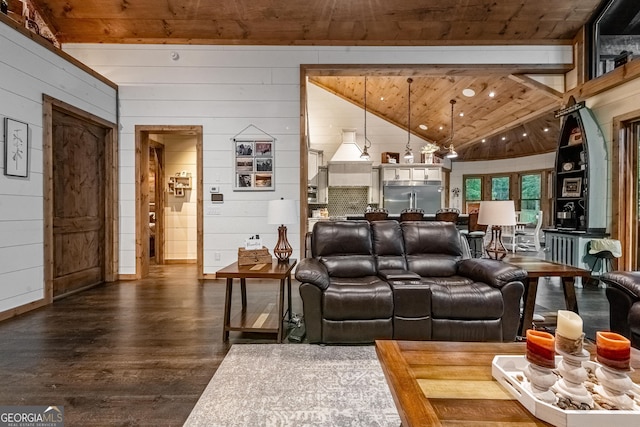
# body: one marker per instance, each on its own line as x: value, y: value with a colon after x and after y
x: 348, y: 151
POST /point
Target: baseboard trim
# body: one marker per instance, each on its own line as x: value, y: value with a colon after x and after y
x: 16, y: 311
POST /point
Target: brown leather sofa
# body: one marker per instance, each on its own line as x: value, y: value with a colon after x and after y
x: 411, y: 280
x: 623, y: 293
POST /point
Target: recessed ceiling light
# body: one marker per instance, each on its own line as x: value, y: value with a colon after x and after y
x: 382, y: 98
x: 484, y: 140
x: 504, y: 138
x: 546, y: 129
x: 492, y: 94
x: 423, y: 127
x: 461, y: 114
x: 524, y: 134
x: 468, y: 92
x: 441, y: 127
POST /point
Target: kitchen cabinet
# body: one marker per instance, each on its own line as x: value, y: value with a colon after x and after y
x: 323, y: 186
x: 415, y: 172
x: 313, y: 165
x: 374, y: 189
x: 349, y: 174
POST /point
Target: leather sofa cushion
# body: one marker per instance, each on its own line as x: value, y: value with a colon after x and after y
x: 341, y: 238
x: 388, y: 245
x: 433, y: 248
x: 344, y: 247
x: 350, y: 265
x: 466, y: 301
x: 362, y: 298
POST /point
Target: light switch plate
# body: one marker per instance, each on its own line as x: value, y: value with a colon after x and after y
x: 215, y: 189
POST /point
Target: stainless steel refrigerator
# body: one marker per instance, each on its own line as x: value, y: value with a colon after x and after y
x: 399, y: 195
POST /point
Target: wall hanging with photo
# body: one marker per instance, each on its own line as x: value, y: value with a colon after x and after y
x: 254, y: 168
x: 16, y: 148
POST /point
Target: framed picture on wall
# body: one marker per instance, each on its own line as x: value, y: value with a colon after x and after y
x: 253, y: 165
x: 16, y: 148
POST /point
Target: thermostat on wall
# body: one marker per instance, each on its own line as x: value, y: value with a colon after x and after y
x: 217, y: 198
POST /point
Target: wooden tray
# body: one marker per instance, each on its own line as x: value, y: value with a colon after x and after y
x: 505, y: 369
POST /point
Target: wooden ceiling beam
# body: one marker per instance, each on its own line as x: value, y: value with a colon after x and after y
x: 536, y: 85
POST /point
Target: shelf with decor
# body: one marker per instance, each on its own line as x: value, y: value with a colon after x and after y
x: 580, y: 189
x: 178, y: 184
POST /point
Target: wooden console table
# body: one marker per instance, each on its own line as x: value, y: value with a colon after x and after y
x: 258, y: 321
x: 537, y: 268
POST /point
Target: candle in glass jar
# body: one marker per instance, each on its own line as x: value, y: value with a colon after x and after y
x: 613, y: 350
x: 569, y: 325
x: 541, y: 348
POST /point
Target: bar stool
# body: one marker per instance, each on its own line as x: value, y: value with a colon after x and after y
x: 604, y: 250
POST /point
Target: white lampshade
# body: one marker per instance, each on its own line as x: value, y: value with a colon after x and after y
x: 497, y: 212
x: 282, y: 212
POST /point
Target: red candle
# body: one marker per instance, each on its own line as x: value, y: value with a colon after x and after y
x: 541, y: 348
x: 613, y: 350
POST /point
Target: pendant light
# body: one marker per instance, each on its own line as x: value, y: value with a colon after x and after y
x: 452, y: 152
x: 367, y: 144
x: 408, y: 154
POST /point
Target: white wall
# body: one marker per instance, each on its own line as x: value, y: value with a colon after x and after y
x: 225, y: 89
x: 27, y: 71
x: 605, y: 107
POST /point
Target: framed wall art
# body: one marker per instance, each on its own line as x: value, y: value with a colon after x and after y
x: 16, y: 148
x: 572, y: 187
x: 254, y: 168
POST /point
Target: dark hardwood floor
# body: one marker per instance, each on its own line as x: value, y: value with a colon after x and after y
x: 127, y: 353
x: 141, y: 353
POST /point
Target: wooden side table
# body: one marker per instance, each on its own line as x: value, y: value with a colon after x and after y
x: 257, y: 321
x: 537, y: 268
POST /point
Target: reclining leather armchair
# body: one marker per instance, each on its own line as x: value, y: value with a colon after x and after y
x: 409, y: 280
x: 623, y: 293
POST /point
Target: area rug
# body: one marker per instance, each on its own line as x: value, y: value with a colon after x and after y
x: 296, y: 385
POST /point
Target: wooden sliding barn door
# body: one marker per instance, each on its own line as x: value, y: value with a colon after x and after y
x: 78, y: 149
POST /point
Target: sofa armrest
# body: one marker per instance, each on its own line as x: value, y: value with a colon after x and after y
x: 627, y: 281
x: 310, y: 270
x: 490, y: 271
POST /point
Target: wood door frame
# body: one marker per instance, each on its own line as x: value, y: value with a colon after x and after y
x: 624, y: 186
x: 111, y: 212
x: 159, y: 189
x: 142, y: 192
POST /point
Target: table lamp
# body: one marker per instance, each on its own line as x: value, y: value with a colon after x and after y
x: 497, y: 213
x: 282, y: 212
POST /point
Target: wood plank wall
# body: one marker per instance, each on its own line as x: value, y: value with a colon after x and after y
x: 30, y: 69
x: 227, y: 88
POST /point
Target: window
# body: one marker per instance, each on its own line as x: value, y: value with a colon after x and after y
x: 530, y: 195
x: 472, y: 193
x: 500, y: 188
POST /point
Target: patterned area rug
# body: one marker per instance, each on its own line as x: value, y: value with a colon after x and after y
x: 296, y: 385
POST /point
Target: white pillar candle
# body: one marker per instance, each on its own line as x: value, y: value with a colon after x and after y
x: 569, y: 325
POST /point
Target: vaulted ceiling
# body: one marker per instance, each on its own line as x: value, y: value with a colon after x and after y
x: 521, y: 105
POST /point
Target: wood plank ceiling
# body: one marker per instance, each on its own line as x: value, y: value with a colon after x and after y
x: 520, y: 106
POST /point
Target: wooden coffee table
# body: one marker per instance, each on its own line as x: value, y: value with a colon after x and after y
x: 537, y: 268
x: 261, y: 320
x: 450, y: 383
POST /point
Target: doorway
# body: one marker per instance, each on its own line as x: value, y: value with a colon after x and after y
x: 168, y: 193
x: 625, y: 189
x: 80, y: 199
